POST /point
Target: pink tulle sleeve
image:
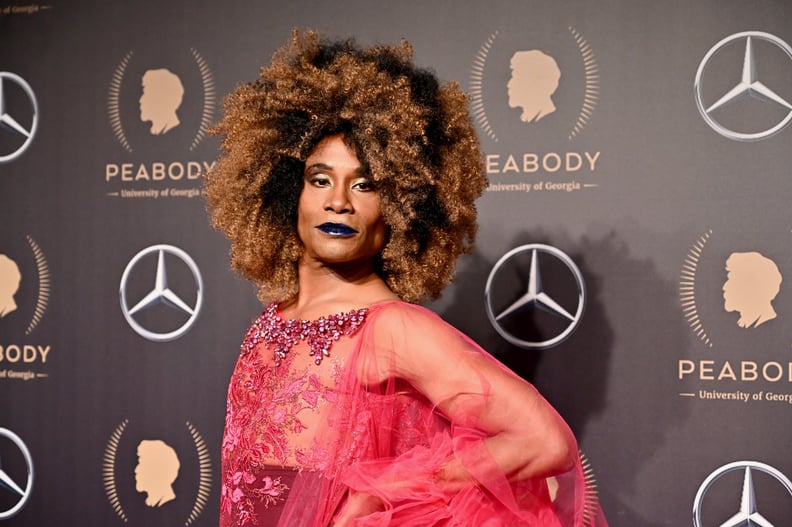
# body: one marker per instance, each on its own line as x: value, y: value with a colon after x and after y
x: 433, y: 431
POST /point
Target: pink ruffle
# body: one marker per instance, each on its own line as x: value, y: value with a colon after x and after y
x: 388, y: 441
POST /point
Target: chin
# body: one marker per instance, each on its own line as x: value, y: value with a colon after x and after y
x: 345, y: 258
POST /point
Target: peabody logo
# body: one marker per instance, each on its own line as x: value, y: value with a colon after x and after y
x: 525, y: 85
x: 734, y: 296
x: 750, y: 283
x: 724, y: 106
x: 11, y: 280
x: 14, y: 454
x: 18, y: 116
x: 162, y: 105
x: 539, y: 88
x: 535, y: 303
x: 172, y: 476
x: 24, y: 296
x: 748, y: 513
x: 153, y: 98
x: 159, y: 292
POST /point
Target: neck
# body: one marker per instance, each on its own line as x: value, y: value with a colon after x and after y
x: 325, y: 289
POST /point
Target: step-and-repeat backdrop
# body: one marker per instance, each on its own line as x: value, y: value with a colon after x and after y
x: 634, y: 258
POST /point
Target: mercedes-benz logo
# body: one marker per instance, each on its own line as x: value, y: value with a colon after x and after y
x: 748, y: 85
x: 535, y: 297
x: 7, y: 483
x: 747, y: 515
x: 13, y: 123
x: 161, y: 293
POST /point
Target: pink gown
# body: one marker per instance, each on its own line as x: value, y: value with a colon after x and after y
x: 310, y: 420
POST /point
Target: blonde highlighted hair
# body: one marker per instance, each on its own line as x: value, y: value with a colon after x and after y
x: 413, y: 134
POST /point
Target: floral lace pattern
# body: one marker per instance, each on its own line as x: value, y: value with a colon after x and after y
x: 264, y: 406
x: 269, y: 492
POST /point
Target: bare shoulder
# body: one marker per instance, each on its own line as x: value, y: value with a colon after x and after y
x: 417, y: 340
x: 398, y: 316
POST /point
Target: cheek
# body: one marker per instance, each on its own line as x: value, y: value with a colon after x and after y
x: 377, y: 223
x: 303, y: 216
x: 383, y: 233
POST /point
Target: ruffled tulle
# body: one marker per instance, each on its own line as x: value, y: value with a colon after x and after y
x: 386, y: 440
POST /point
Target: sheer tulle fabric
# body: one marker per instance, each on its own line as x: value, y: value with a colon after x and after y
x: 358, y: 433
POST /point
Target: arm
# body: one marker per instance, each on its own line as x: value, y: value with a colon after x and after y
x: 525, y: 436
x: 501, y: 431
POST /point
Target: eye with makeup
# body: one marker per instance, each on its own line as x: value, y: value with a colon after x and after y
x: 364, y: 184
x: 320, y: 180
x: 317, y: 177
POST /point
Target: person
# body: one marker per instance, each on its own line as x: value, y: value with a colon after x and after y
x: 346, y: 186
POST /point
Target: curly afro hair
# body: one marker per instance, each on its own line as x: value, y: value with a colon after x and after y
x: 414, y: 136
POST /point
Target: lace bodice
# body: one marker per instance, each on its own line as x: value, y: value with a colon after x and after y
x: 283, y: 381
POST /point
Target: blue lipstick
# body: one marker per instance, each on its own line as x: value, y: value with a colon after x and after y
x: 336, y: 229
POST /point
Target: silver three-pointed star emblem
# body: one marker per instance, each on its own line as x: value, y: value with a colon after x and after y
x: 748, y: 514
x: 161, y: 293
x: 21, y: 491
x: 748, y: 85
x: 536, y: 297
x: 12, y: 119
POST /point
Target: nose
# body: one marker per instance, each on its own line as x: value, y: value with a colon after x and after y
x: 338, y: 200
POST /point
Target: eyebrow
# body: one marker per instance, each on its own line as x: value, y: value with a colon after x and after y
x: 360, y: 169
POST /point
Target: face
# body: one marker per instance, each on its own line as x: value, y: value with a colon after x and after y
x: 339, y: 220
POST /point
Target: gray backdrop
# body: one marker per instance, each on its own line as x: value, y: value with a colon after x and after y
x: 623, y: 174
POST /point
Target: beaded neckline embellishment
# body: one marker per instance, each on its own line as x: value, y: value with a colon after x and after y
x: 283, y: 335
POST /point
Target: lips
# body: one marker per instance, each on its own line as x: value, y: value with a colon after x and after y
x: 336, y: 229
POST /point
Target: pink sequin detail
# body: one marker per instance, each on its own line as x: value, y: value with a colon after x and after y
x: 282, y: 335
